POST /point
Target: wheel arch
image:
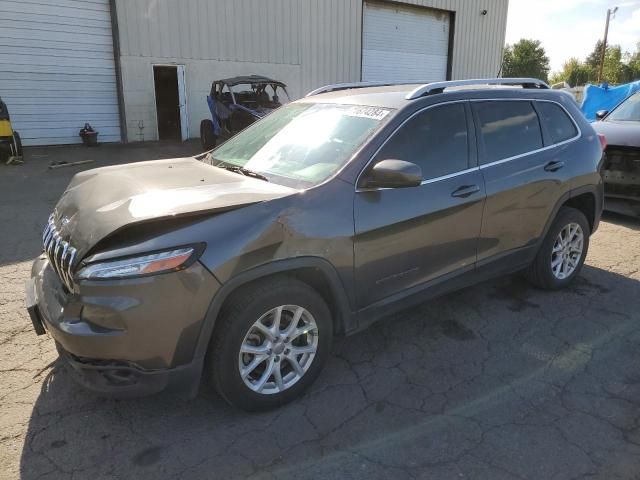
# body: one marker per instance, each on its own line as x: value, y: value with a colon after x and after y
x: 586, y: 203
x: 587, y: 199
x: 316, y: 272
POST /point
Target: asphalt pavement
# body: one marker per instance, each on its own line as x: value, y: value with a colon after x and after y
x: 497, y: 381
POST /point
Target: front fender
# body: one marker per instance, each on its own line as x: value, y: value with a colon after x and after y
x: 345, y: 320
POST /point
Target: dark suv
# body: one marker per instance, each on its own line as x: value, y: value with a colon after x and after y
x: 324, y: 216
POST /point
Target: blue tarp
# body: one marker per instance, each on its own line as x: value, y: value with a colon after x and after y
x: 604, y: 97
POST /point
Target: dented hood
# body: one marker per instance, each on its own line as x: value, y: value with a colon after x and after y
x: 99, y: 202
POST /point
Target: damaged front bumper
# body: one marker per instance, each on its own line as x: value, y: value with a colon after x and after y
x: 121, y: 379
x: 621, y: 176
x: 127, y: 337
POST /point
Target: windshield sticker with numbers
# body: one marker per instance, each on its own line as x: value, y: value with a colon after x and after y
x: 374, y: 113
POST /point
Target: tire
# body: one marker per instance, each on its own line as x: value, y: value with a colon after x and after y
x: 541, y: 272
x: 207, y: 137
x: 16, y: 147
x: 259, y: 302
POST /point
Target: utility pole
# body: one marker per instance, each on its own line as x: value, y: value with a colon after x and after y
x: 604, y: 43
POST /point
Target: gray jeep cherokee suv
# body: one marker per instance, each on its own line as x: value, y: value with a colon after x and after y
x: 319, y: 219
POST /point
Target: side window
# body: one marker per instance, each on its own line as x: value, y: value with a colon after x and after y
x: 435, y: 139
x: 556, y: 121
x: 507, y: 129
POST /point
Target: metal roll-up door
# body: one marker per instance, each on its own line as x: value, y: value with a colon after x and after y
x: 404, y: 43
x: 58, y: 70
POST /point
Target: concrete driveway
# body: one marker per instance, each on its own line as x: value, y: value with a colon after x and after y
x: 498, y: 381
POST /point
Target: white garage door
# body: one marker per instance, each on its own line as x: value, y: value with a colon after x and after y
x: 404, y: 44
x: 57, y: 70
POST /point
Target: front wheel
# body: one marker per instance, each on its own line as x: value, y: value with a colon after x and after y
x: 207, y: 135
x: 271, y: 343
x: 563, y: 251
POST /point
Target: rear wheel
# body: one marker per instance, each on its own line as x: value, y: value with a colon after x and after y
x: 563, y: 251
x: 271, y: 343
x: 207, y: 136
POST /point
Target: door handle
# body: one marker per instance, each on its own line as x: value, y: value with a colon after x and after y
x: 553, y: 166
x: 465, y: 191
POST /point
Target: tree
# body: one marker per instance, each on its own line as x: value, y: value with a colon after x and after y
x: 618, y: 67
x: 612, y: 71
x: 593, y: 59
x: 526, y: 58
x: 574, y: 72
x: 633, y: 62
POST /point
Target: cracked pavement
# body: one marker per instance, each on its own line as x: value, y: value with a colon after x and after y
x: 497, y: 381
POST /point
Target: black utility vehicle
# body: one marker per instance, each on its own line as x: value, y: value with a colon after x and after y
x: 324, y: 216
x: 237, y: 102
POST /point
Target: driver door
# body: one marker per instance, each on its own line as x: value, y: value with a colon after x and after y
x: 406, y: 237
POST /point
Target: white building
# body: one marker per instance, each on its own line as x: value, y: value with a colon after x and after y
x: 70, y: 62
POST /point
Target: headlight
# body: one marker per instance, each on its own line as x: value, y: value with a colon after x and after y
x: 159, y: 262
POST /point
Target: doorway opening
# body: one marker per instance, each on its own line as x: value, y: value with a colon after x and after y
x: 170, y: 102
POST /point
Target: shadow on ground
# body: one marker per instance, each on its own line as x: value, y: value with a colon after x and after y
x: 497, y: 381
x: 622, y: 220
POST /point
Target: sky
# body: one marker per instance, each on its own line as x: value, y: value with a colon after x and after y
x: 570, y: 28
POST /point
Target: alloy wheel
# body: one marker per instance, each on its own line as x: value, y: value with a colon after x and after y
x: 278, y: 349
x: 567, y: 251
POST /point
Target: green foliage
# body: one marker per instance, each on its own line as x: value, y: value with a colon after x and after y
x: 593, y: 59
x: 632, y: 61
x: 526, y: 58
x: 618, y: 67
x: 574, y: 72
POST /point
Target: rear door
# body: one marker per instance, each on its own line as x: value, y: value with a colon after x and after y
x: 405, y: 237
x: 523, y: 170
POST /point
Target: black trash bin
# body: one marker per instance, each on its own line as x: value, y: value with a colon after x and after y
x: 89, y: 136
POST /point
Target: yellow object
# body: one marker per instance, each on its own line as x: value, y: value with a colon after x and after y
x: 5, y: 128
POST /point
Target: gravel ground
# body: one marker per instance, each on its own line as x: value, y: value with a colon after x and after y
x: 498, y: 381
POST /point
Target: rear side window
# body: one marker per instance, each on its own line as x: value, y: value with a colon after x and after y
x: 507, y: 129
x: 558, y: 124
x: 435, y: 139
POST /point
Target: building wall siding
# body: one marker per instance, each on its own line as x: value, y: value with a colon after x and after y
x: 305, y: 43
x: 57, y: 69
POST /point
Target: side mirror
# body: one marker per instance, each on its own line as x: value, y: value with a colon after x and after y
x: 600, y: 114
x: 393, y: 174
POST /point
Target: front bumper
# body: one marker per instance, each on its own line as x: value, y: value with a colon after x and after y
x: 622, y: 192
x: 120, y: 379
x: 125, y: 337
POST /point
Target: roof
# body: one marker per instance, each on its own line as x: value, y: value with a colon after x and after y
x: 391, y: 96
x: 400, y: 95
x: 249, y: 79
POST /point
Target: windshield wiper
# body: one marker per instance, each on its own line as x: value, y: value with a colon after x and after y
x: 243, y: 171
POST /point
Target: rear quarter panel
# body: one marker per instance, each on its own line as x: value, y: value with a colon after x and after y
x: 586, y: 157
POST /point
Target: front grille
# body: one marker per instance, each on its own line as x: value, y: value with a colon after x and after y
x: 621, y: 172
x: 60, y: 253
x: 622, y: 159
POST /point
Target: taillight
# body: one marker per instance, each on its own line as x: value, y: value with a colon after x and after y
x: 603, y: 141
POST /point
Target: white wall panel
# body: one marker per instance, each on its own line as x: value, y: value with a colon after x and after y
x: 403, y: 43
x: 305, y: 43
x: 57, y: 70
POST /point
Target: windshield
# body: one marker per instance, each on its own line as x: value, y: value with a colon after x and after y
x: 301, y: 144
x: 627, y: 111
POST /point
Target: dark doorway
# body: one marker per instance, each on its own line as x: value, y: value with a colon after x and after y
x: 167, y: 102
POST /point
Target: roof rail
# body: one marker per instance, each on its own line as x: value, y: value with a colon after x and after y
x: 438, y: 87
x: 346, y: 86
